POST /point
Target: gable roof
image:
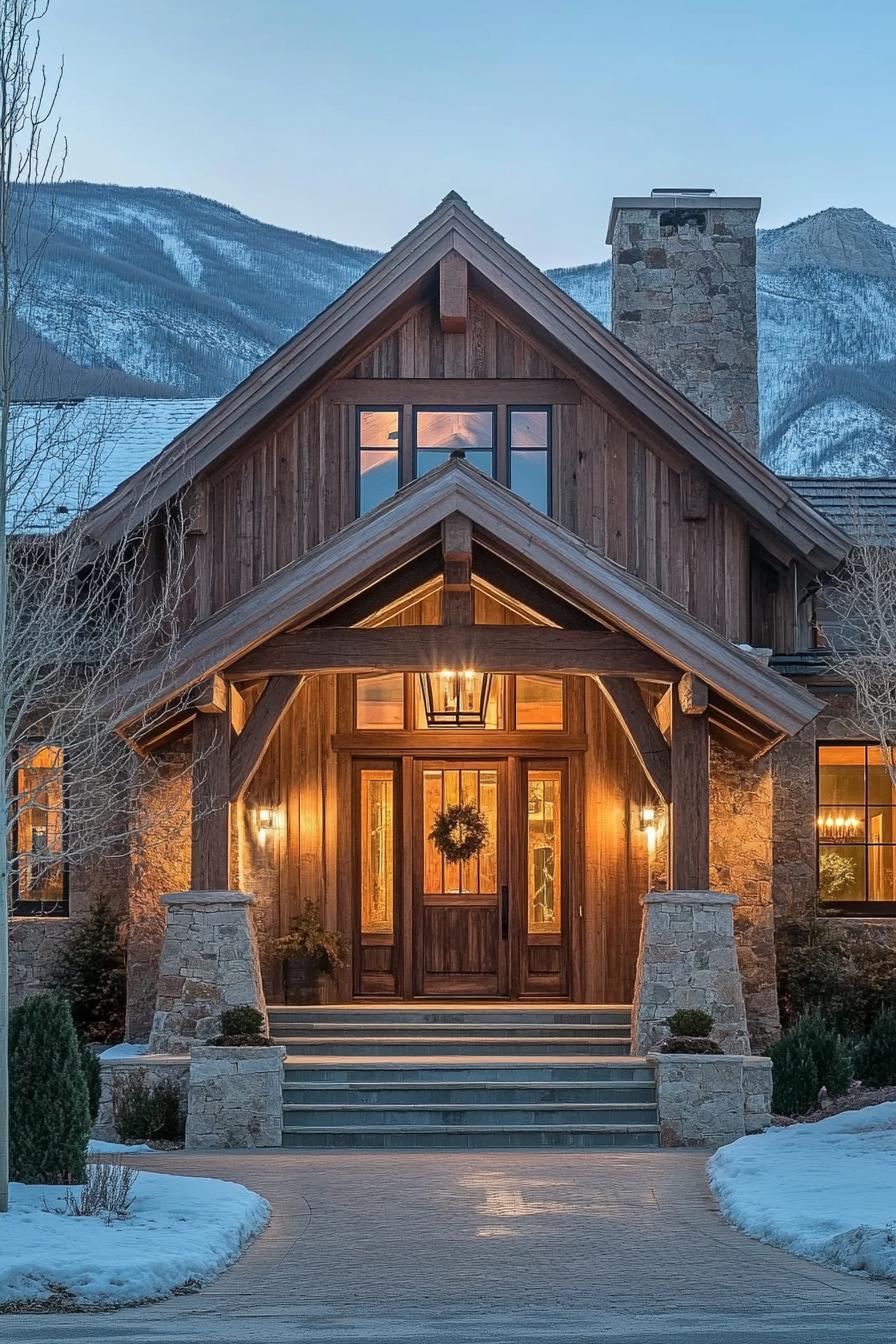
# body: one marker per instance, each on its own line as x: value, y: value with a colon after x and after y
x: 379, y: 294
x: 405, y: 525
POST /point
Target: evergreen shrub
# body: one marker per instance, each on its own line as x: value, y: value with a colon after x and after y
x: 91, y: 973
x: 143, y: 1114
x: 810, y: 1056
x: 49, y: 1108
x: 875, y: 1059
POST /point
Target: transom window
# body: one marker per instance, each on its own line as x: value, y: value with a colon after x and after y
x: 856, y: 833
x: 510, y: 443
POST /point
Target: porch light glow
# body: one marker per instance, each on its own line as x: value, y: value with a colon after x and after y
x: 648, y: 817
x: 456, y: 699
x: 836, y: 826
x: 265, y: 821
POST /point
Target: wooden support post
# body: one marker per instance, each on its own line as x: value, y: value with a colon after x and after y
x: 457, y: 561
x: 693, y: 694
x: 211, y: 697
x: 453, y: 292
x: 642, y: 731
x: 689, y: 866
x: 210, y: 870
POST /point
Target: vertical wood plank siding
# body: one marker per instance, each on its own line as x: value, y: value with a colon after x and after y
x: 615, y: 483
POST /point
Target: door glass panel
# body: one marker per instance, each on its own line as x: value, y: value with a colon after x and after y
x: 539, y: 702
x: 379, y: 700
x: 377, y: 851
x: 441, y: 789
x: 543, y: 851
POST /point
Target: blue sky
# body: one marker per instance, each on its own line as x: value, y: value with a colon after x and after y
x: 352, y: 119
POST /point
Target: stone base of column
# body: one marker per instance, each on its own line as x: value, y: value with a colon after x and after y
x: 688, y: 959
x: 209, y: 963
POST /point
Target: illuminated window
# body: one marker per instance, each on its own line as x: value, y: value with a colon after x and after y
x: 379, y: 701
x: 377, y: 851
x: 529, y: 442
x: 438, y: 432
x: 855, y: 824
x: 539, y: 703
x: 39, y: 878
x: 379, y: 441
x: 543, y: 849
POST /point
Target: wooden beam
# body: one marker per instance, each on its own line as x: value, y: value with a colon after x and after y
x: 421, y: 648
x: 663, y: 714
x: 212, y: 697
x: 453, y: 292
x: 527, y: 596
x: 693, y: 694
x: 260, y: 727
x: 401, y: 583
x: 645, y: 738
x: 689, y: 861
x: 454, y: 391
x: 457, y: 559
x: 210, y: 839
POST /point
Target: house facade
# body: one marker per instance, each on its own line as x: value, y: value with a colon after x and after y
x: 458, y: 544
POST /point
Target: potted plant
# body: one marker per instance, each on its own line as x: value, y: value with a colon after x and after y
x: 689, y: 1034
x: 309, y: 953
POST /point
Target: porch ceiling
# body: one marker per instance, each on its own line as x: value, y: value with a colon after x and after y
x: 366, y: 557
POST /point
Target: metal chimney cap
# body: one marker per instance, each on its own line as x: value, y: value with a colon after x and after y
x: 686, y: 200
x: 682, y: 191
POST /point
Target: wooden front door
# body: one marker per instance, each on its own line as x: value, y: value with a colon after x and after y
x: 461, y: 910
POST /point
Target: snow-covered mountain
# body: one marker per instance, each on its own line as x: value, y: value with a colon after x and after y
x: 152, y: 292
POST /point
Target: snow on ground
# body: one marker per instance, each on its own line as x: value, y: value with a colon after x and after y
x: 826, y: 1191
x: 181, y: 1229
x: 124, y: 1050
x: 106, y: 1146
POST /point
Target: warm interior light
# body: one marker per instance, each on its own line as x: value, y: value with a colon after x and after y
x: 648, y: 817
x: 456, y: 699
x: 836, y: 826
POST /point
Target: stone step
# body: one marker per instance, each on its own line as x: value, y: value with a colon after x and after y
x: 583, y: 1014
x: 456, y: 1045
x: 473, y: 1115
x: 453, y: 1092
x: 445, y: 1138
x: 295, y: 1031
x: 453, y: 1071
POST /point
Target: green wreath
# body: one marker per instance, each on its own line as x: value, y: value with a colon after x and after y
x: 459, y: 832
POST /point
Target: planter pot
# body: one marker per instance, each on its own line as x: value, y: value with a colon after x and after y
x: 303, y: 980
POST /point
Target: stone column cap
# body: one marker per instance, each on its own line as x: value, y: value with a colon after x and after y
x: 689, y: 898
x: 208, y: 898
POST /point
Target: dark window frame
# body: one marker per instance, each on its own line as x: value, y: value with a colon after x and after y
x: 848, y: 909
x: 416, y: 449
x: 22, y: 907
x: 548, y: 450
x: 360, y: 448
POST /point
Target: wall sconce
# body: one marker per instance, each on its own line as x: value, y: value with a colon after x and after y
x: 647, y: 822
x: 265, y: 821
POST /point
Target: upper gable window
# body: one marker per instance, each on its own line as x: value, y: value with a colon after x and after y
x: 440, y: 431
x: 379, y: 441
x: 529, y: 439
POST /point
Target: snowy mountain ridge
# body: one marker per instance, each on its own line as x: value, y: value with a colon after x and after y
x: 151, y: 292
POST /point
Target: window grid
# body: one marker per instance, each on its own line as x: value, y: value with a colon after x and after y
x: 830, y: 841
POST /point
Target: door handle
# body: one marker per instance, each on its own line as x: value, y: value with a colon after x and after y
x: 505, y: 912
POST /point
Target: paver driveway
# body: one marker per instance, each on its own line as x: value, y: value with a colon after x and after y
x: 485, y: 1247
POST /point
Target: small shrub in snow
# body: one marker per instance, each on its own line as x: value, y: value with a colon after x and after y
x: 90, y: 1067
x: 875, y: 1060
x: 819, y: 969
x: 690, y: 1022
x: 49, y: 1110
x: 242, y: 1021
x: 107, y: 1192
x: 91, y: 974
x: 142, y: 1114
x: 808, y: 1057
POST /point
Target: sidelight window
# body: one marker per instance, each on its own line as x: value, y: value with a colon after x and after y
x: 377, y: 850
x: 856, y: 831
x: 544, y: 850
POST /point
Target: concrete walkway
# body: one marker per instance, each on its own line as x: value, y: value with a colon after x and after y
x: 488, y: 1247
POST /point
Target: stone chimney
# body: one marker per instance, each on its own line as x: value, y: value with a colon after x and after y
x: 684, y: 296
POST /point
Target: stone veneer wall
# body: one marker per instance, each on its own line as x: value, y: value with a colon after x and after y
x: 705, y: 1101
x: 235, y: 1097
x: 794, y: 830
x: 684, y: 299
x: 740, y: 852
x: 153, y: 1069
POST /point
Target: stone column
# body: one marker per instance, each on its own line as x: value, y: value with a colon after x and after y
x: 688, y: 959
x: 209, y: 962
